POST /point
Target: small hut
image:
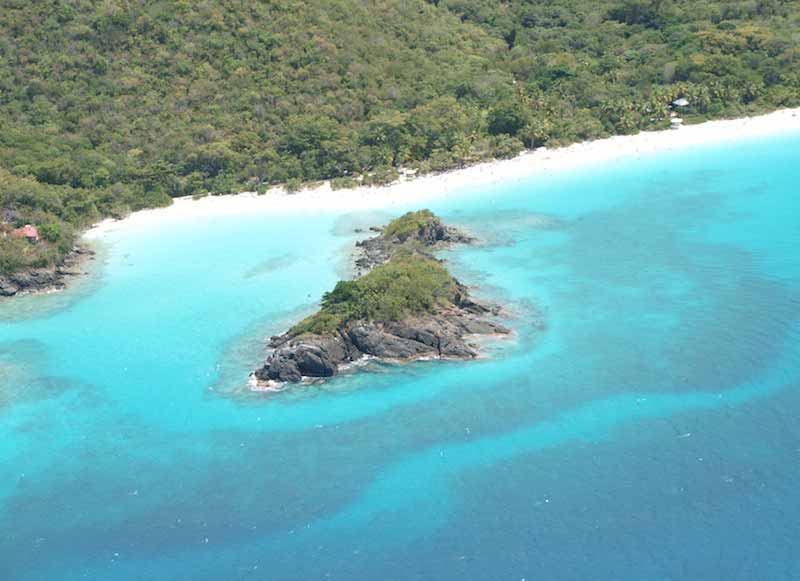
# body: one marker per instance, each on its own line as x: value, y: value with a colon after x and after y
x: 29, y: 232
x: 675, y: 122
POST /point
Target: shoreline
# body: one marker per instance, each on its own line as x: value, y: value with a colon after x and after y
x: 50, y: 279
x: 421, y: 189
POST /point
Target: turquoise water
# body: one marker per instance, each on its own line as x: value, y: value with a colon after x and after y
x: 642, y: 423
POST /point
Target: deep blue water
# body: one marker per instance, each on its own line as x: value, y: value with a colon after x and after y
x: 642, y: 424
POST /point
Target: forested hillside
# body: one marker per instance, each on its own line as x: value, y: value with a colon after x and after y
x: 108, y: 106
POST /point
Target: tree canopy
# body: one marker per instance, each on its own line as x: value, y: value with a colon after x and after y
x: 409, y: 284
x: 114, y: 105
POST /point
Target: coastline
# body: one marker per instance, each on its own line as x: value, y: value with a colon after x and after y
x: 49, y: 279
x: 419, y: 190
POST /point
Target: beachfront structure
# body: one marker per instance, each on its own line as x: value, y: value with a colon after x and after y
x: 675, y: 123
x: 680, y: 102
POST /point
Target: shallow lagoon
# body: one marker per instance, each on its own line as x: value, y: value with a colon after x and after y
x: 647, y: 432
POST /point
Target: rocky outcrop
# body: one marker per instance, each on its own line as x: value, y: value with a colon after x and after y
x: 444, y: 336
x: 45, y: 279
x: 432, y: 235
x: 317, y: 356
x: 445, y: 332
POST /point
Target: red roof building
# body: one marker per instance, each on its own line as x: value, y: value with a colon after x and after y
x: 27, y: 231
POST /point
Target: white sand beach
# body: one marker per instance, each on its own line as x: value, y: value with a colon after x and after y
x: 419, y: 190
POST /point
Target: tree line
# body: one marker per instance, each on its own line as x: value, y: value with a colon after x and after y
x: 114, y: 105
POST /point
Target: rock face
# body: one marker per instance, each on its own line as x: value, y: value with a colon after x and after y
x: 45, y: 279
x: 442, y: 334
x: 319, y: 356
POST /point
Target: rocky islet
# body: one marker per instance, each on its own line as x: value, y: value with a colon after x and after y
x: 442, y: 331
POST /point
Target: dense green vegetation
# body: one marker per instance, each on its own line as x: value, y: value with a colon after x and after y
x: 409, y: 224
x: 410, y: 283
x: 113, y: 105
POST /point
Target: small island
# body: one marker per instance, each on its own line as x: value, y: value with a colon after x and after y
x: 404, y: 305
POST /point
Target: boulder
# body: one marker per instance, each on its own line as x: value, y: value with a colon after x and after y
x: 7, y: 287
x: 370, y: 339
x: 314, y: 356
